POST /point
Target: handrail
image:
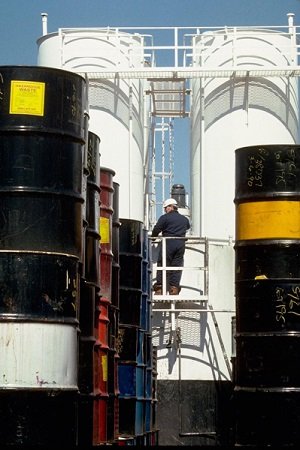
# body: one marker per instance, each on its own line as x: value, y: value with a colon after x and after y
x: 196, y: 294
x: 175, y: 46
x: 177, y: 304
x: 164, y: 268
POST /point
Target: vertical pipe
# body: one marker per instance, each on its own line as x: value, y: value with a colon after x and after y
x: 292, y: 31
x: 44, y: 23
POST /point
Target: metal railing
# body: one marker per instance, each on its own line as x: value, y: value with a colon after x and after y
x: 194, y: 294
x: 181, y: 52
x: 199, y: 246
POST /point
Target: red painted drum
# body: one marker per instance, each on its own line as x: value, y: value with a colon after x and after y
x: 102, y: 307
x: 101, y: 402
x: 103, y: 321
x: 100, y: 421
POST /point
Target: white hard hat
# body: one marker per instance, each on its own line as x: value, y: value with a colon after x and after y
x: 169, y: 201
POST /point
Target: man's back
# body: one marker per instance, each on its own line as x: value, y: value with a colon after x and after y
x: 171, y: 224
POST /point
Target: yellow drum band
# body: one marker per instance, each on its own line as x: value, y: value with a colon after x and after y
x: 274, y: 219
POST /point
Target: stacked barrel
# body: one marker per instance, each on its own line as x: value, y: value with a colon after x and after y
x: 150, y: 367
x: 131, y: 367
x: 89, y: 291
x: 42, y: 141
x: 130, y: 347
x: 113, y: 356
x: 103, y: 302
x: 267, y: 385
x: 153, y: 437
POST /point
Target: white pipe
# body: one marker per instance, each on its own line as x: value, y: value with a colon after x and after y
x: 292, y: 32
x: 176, y: 46
x: 291, y: 19
x: 44, y: 23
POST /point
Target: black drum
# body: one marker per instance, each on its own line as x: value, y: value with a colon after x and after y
x: 42, y: 99
x: 42, y: 141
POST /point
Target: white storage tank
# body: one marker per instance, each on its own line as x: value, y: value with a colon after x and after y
x: 228, y: 113
x: 116, y: 106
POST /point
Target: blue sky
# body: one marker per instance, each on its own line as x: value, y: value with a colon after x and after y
x: 20, y: 21
x: 21, y: 25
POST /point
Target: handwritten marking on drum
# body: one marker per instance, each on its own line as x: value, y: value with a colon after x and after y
x: 256, y: 168
x: 287, y: 302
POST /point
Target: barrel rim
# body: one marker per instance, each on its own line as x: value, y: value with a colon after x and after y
x: 266, y: 242
x: 42, y: 69
x: 268, y: 146
x: 107, y: 169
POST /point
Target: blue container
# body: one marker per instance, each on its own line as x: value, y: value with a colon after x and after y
x: 131, y: 380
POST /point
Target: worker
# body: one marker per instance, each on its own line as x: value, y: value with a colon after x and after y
x: 171, y: 224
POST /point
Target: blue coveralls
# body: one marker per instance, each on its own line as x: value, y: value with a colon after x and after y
x: 171, y: 224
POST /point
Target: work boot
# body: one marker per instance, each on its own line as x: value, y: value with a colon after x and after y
x: 157, y: 289
x: 174, y: 290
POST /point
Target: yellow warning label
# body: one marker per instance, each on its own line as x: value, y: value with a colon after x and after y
x: 27, y: 97
x: 104, y: 230
x: 104, y: 367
